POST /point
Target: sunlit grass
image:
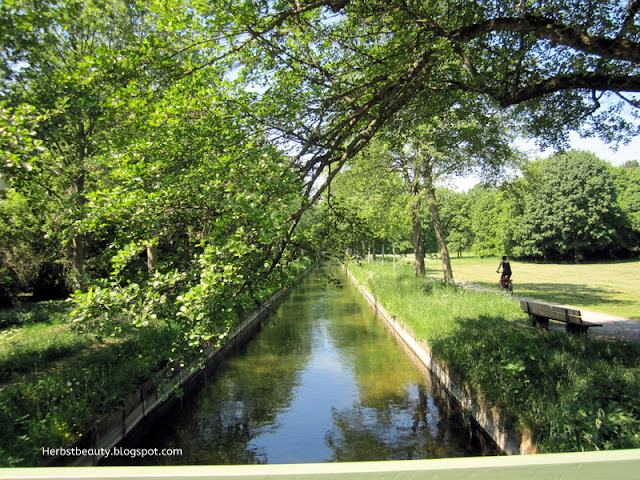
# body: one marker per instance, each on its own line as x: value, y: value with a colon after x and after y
x: 431, y: 307
x: 37, y: 346
x: 607, y: 287
x: 34, y: 335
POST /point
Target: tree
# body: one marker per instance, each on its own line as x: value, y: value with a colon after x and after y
x: 366, y: 187
x: 451, y: 141
x: 63, y: 58
x: 570, y: 208
x: 26, y: 251
x: 298, y: 88
x: 454, y: 207
x: 627, y: 181
x: 355, y: 64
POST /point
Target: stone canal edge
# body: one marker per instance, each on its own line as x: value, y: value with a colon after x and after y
x: 489, y: 419
x: 158, y: 395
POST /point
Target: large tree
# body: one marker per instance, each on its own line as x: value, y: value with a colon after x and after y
x: 329, y: 75
x: 627, y: 180
x: 456, y: 141
x: 571, y: 208
x: 354, y: 64
x: 65, y: 58
x: 316, y: 78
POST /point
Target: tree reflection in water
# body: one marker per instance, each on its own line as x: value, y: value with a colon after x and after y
x: 323, y: 381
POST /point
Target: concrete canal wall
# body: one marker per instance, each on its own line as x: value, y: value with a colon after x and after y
x: 156, y: 396
x: 489, y: 419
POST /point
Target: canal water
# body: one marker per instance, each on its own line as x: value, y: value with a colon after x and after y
x: 322, y: 381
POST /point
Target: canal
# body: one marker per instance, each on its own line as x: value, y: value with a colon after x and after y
x: 322, y: 381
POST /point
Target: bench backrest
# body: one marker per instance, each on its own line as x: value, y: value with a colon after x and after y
x: 555, y: 312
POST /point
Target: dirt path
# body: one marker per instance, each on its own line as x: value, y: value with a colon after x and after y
x: 612, y: 326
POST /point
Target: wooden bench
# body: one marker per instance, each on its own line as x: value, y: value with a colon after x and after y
x: 540, y: 314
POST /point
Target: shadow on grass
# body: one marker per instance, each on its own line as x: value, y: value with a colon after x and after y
x: 568, y: 294
x: 546, y: 379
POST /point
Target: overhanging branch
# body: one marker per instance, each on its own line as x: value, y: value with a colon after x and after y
x: 591, y: 81
x: 556, y: 32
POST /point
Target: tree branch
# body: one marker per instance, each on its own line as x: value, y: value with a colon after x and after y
x: 556, y: 32
x: 595, y: 81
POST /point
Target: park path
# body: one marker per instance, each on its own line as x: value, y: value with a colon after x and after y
x: 612, y: 326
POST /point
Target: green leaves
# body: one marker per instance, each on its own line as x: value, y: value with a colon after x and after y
x: 571, y: 208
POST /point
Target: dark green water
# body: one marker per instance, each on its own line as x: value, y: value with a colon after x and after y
x: 323, y: 381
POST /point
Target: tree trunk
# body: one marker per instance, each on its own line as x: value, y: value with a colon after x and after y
x: 152, y: 253
x: 418, y: 241
x: 439, y: 230
x: 77, y: 262
x: 78, y: 241
x: 393, y: 247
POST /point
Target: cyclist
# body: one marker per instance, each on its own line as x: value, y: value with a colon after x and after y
x: 506, y: 272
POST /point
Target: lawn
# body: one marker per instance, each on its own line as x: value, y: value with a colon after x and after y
x: 611, y: 287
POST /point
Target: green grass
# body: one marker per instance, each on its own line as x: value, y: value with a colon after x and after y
x: 431, y: 307
x: 54, y: 410
x: 573, y: 392
x: 607, y: 287
x: 35, y: 335
x: 48, y: 312
x: 36, y: 348
x: 58, y: 380
x: 610, y: 287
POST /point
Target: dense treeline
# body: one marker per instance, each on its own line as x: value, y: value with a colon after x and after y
x: 567, y: 207
x: 163, y: 158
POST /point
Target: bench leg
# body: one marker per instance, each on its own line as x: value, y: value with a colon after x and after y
x: 537, y: 321
x: 576, y: 328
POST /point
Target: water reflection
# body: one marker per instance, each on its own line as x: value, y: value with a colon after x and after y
x: 322, y: 381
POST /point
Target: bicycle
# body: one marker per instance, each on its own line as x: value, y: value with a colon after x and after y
x: 506, y: 284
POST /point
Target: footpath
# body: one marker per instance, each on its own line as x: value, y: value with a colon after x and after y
x: 612, y: 326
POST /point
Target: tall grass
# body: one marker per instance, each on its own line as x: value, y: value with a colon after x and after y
x: 54, y: 410
x: 431, y: 307
x: 574, y: 392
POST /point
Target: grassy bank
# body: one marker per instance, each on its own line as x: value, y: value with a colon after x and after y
x: 574, y: 392
x: 83, y: 380
x: 608, y: 287
x: 34, y: 335
x: 53, y: 410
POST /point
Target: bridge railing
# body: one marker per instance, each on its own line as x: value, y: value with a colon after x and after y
x: 618, y: 465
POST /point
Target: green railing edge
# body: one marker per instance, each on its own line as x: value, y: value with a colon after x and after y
x: 614, y: 464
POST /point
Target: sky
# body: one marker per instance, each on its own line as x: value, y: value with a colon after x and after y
x: 597, y: 146
x: 617, y: 157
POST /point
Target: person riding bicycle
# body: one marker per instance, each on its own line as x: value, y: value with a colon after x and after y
x: 506, y: 271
